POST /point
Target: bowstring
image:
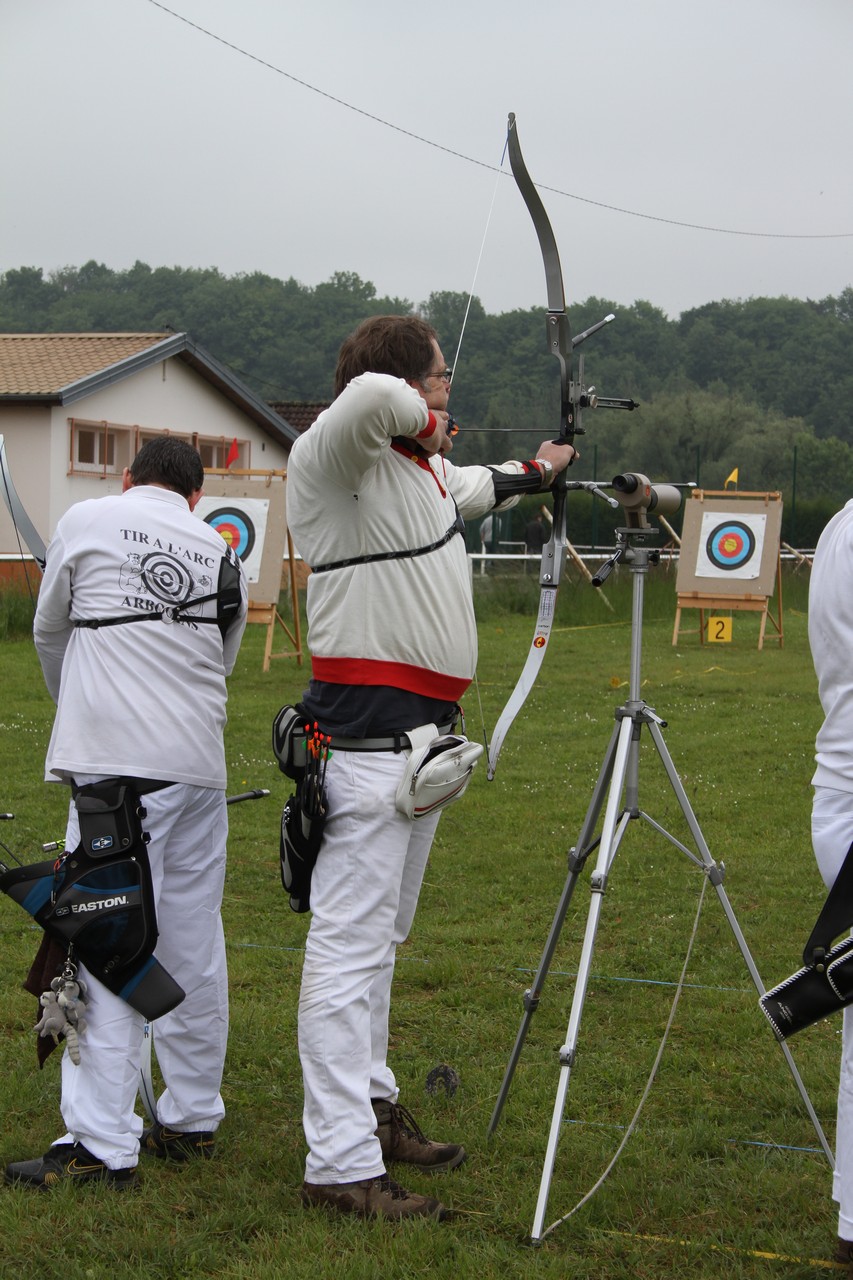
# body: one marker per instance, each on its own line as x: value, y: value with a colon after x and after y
x: 500, y: 174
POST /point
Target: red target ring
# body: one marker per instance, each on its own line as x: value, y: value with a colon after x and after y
x: 730, y: 545
x: 235, y: 528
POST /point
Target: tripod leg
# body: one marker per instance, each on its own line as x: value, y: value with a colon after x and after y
x: 577, y: 858
x: 614, y: 826
x: 715, y: 875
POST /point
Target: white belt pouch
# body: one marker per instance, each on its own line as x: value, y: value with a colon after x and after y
x: 437, y: 772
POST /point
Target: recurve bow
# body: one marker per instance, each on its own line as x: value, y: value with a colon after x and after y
x: 573, y: 399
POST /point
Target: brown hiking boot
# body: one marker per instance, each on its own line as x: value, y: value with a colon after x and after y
x: 373, y: 1198
x: 844, y: 1254
x: 402, y: 1140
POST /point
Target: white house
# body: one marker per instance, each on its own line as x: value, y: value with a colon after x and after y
x: 76, y: 407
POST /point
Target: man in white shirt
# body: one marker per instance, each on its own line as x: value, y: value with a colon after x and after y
x: 377, y: 510
x: 146, y: 701
x: 831, y: 639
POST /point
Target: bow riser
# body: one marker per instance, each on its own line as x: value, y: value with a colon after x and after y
x: 559, y: 340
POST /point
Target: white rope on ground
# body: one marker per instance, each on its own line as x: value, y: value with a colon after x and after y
x: 631, y: 1127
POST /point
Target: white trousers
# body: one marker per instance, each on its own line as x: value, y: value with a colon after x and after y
x: 188, y: 828
x: 364, y: 892
x: 832, y: 835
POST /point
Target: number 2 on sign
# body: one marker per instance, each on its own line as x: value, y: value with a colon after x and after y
x: 719, y: 630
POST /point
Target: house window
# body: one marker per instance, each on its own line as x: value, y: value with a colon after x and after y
x: 216, y: 452
x: 100, y: 448
x: 145, y: 437
x: 106, y: 448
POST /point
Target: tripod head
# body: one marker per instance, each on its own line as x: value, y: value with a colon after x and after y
x: 636, y: 556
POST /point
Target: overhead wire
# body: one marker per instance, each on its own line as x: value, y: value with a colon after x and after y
x: 483, y: 164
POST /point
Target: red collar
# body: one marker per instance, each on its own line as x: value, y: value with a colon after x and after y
x: 421, y: 460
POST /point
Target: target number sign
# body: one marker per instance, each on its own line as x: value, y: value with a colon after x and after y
x: 242, y: 523
x: 730, y: 546
x: 719, y: 630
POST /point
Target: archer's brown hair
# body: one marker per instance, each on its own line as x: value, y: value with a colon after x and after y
x: 399, y: 345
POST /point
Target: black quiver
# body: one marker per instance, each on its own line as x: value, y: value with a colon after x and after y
x: 301, y: 837
x: 99, y: 898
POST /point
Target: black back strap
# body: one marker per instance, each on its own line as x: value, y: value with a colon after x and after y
x: 227, y: 597
x: 458, y: 526
x: 836, y: 914
x: 174, y: 613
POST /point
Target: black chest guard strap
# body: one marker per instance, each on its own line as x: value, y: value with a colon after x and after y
x: 458, y: 526
x: 227, y: 596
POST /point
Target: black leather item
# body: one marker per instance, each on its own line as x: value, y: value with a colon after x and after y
x: 99, y: 898
x: 812, y: 993
x: 301, y: 837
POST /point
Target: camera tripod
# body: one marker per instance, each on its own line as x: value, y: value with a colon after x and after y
x: 620, y: 775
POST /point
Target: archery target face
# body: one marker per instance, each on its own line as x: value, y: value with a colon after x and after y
x: 730, y: 547
x: 242, y: 523
x: 235, y: 527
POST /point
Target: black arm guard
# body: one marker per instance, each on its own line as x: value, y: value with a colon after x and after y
x: 506, y: 486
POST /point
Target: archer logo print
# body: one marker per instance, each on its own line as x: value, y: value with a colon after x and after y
x: 167, y: 575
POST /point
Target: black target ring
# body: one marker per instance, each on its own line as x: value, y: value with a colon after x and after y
x: 234, y: 527
x: 730, y: 545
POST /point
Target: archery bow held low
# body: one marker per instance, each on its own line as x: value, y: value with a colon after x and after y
x: 574, y: 398
x: 24, y: 527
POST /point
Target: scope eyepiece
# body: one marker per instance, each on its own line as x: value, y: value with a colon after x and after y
x: 636, y: 493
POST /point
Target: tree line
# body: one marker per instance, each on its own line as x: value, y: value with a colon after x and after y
x: 762, y: 385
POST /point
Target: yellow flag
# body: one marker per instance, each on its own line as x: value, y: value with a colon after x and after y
x: 732, y: 479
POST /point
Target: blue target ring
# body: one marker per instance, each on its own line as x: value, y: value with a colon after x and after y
x: 235, y: 528
x: 730, y: 545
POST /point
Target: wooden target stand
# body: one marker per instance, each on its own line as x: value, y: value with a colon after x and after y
x: 247, y: 486
x: 710, y: 595
x: 268, y: 615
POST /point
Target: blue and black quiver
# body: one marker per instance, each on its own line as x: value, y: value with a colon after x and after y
x: 98, y: 899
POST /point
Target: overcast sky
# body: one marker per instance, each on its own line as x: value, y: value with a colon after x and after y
x: 129, y: 134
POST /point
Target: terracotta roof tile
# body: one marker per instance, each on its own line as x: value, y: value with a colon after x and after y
x: 43, y: 363
x: 299, y: 414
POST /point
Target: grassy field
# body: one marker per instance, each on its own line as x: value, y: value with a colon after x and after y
x: 723, y: 1175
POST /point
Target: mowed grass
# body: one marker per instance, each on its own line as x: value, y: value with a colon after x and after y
x: 723, y: 1176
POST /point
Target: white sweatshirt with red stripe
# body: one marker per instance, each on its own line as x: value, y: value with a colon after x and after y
x: 406, y: 622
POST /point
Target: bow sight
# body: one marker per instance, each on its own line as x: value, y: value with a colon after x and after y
x: 588, y: 397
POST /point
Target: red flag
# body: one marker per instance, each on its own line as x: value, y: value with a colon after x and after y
x: 233, y: 453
